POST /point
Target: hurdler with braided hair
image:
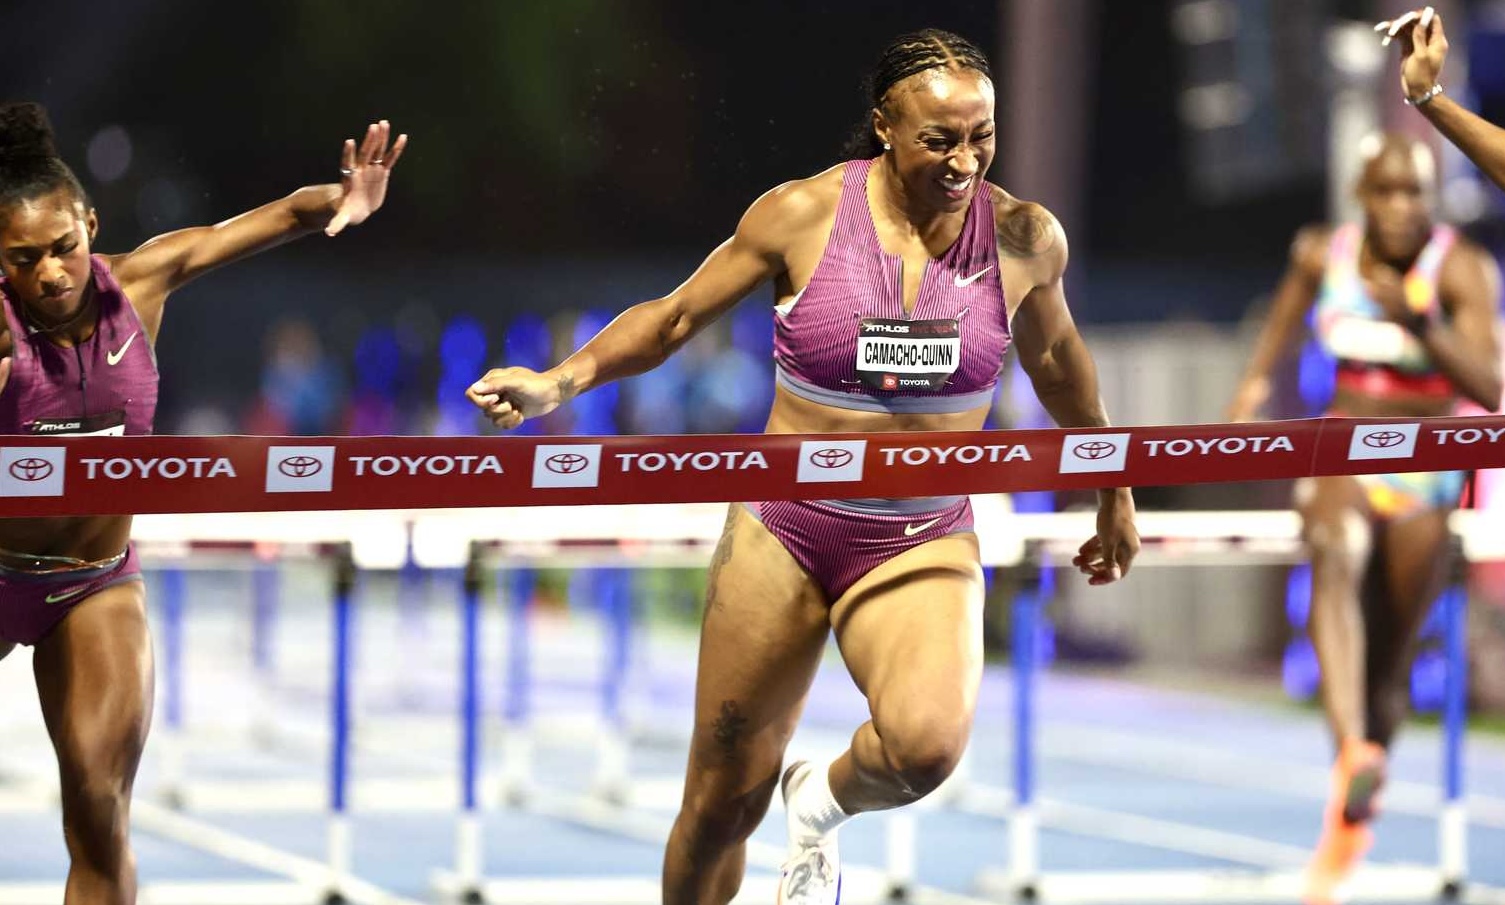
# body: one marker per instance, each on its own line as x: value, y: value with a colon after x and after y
x: 78, y: 338
x: 901, y: 278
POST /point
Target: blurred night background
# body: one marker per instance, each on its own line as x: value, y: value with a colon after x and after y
x: 572, y: 157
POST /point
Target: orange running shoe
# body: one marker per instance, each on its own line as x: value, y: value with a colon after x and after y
x: 1358, y: 776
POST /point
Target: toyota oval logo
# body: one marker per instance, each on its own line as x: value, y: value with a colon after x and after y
x: 1094, y: 449
x: 1384, y: 439
x: 31, y: 469
x: 566, y: 463
x: 300, y: 466
x: 831, y: 458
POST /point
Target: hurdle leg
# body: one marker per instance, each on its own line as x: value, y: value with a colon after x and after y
x: 899, y: 854
x: 517, y: 747
x: 1022, y: 878
x: 1024, y: 825
x: 339, y: 766
x: 412, y: 627
x: 173, y: 593
x: 265, y: 593
x: 614, y: 598
x: 1453, y: 824
x: 469, y: 865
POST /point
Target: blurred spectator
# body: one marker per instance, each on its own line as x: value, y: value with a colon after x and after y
x: 374, y: 409
x: 462, y: 358
x: 302, y: 391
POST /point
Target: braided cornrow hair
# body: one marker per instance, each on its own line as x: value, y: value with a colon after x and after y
x: 29, y: 161
x: 908, y: 54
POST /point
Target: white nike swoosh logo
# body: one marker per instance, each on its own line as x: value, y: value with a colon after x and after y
x: 113, y: 358
x: 59, y: 598
x: 912, y: 530
x: 968, y: 281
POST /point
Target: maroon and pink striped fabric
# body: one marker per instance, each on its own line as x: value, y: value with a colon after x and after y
x: 816, y: 338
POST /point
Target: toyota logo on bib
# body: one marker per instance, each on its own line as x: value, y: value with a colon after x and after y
x: 31, y: 469
x: 1383, y: 439
x: 300, y: 466
x: 1094, y: 449
x: 566, y: 463
x: 300, y: 469
x: 830, y: 458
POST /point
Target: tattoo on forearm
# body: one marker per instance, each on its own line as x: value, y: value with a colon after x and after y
x: 566, y: 384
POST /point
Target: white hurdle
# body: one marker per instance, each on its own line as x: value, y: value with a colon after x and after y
x: 169, y: 545
x: 683, y: 536
x: 1269, y: 872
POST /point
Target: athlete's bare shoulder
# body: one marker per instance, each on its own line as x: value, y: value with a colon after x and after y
x: 1465, y: 251
x: 1025, y: 229
x: 788, y: 212
x: 801, y: 201
x: 1469, y: 268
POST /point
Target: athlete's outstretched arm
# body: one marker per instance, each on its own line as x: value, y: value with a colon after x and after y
x: 1424, y: 50
x: 167, y: 262
x: 1060, y: 368
x: 1292, y: 302
x: 643, y: 336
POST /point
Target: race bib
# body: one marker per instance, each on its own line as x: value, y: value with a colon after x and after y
x: 108, y: 424
x: 896, y: 354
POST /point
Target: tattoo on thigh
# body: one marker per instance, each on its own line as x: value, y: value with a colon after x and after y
x: 722, y: 556
x: 728, y: 729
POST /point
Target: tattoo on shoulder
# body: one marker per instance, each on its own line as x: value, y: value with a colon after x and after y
x: 1027, y: 231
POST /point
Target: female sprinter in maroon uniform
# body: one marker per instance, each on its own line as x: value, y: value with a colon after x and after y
x: 901, y: 278
x: 77, y: 356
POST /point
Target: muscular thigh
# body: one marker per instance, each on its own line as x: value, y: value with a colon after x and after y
x: 94, y: 681
x: 764, y: 629
x: 911, y: 630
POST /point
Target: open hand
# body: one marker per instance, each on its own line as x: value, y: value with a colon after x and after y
x: 363, y: 175
x: 1106, y: 557
x: 1423, y: 48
